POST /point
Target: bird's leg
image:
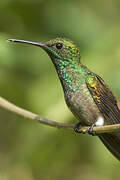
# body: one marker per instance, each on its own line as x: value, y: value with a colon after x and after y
x: 90, y: 129
x: 77, y: 127
x: 99, y: 122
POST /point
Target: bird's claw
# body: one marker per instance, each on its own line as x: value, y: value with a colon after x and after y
x: 77, y: 127
x: 90, y: 130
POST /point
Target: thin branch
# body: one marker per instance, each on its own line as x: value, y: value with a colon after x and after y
x: 29, y: 115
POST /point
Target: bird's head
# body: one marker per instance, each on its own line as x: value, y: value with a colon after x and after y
x: 63, y: 52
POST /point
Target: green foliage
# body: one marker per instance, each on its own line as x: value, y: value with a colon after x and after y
x: 27, y: 78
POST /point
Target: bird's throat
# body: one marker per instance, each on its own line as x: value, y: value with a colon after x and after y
x: 72, y: 76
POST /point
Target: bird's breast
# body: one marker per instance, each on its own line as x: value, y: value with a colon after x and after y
x: 82, y: 105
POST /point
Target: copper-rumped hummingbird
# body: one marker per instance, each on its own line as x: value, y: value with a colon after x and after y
x: 86, y: 94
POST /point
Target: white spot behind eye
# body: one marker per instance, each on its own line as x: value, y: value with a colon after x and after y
x: 100, y: 121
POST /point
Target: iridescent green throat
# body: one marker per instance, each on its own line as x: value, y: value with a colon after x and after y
x: 71, y: 73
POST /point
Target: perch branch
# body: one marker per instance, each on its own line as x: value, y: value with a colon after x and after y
x: 29, y: 115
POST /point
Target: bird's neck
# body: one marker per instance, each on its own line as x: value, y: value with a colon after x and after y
x: 72, y: 76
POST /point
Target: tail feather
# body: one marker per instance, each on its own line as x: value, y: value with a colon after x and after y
x: 112, y: 142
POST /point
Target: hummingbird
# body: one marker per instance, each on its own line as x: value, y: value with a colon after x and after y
x: 86, y: 94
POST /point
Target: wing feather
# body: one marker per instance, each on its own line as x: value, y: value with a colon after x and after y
x: 104, y: 98
x: 108, y: 106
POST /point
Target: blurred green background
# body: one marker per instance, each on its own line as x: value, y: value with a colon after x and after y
x: 28, y: 150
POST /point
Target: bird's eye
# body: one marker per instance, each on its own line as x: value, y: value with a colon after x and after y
x: 59, y: 45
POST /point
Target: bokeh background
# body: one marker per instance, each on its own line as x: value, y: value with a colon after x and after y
x: 28, y: 150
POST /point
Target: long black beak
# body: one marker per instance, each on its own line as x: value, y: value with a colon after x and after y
x: 40, y: 44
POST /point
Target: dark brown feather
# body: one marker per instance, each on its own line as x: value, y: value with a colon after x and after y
x: 107, y: 105
x: 112, y: 142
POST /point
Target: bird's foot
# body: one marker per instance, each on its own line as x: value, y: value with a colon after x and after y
x: 77, y: 127
x: 90, y: 130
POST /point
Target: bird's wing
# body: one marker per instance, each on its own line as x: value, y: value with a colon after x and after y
x: 107, y: 105
x: 104, y: 99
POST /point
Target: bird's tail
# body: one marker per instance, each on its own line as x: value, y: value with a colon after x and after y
x: 112, y: 142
